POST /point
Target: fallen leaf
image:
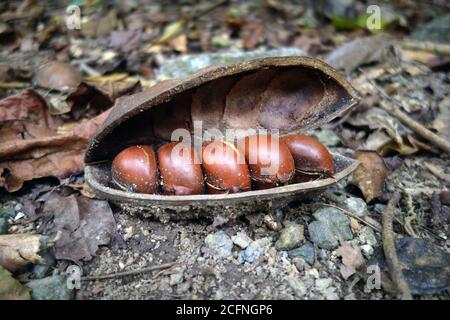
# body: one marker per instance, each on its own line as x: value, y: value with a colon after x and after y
x: 171, y: 31
x: 352, y: 259
x: 369, y: 176
x: 27, y: 105
x: 179, y: 43
x: 18, y: 250
x: 11, y: 289
x: 83, y: 188
x: 358, y: 52
x: 84, y: 225
x: 252, y: 34
x: 55, y: 155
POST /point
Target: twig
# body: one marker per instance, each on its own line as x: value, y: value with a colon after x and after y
x: 437, y: 172
x: 409, y: 122
x: 389, y: 248
x: 373, y: 224
x: 129, y: 273
x: 432, y: 47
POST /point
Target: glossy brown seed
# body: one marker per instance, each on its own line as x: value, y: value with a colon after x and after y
x: 134, y: 169
x: 269, y: 160
x: 225, y: 169
x: 180, y: 173
x: 312, y: 159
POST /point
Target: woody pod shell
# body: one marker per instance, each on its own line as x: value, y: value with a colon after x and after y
x: 291, y: 94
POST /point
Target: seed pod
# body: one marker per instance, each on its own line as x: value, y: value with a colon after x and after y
x: 225, y: 169
x: 312, y: 159
x: 180, y: 175
x: 134, y: 169
x: 269, y: 160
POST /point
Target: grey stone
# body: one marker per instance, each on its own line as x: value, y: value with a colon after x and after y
x: 367, y: 236
x: 4, y: 226
x: 41, y: 270
x: 300, y: 263
x: 330, y: 227
x: 219, y: 244
x: 327, y: 137
x: 290, y: 237
x: 356, y: 205
x: 323, y: 283
x: 306, y: 251
x: 241, y: 239
x: 50, y: 288
x: 186, y: 65
x: 254, y: 250
x: 433, y: 31
x: 7, y: 213
x: 297, y: 285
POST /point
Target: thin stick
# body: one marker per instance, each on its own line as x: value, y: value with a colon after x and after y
x: 427, y: 46
x: 389, y: 248
x: 373, y: 224
x: 129, y: 273
x: 437, y: 172
x: 409, y: 122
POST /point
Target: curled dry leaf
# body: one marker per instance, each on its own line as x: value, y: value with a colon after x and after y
x: 84, y: 225
x: 352, y: 259
x: 18, y: 250
x: 370, y: 175
x: 47, y: 154
x: 27, y: 105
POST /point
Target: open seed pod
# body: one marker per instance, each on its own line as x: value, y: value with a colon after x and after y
x: 289, y: 94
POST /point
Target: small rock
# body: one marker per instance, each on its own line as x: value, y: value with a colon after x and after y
x: 4, y: 226
x: 356, y: 205
x: 367, y: 236
x: 367, y: 250
x: 290, y: 237
x: 50, y: 288
x: 307, y: 252
x: 7, y: 213
x: 219, y: 243
x: 330, y: 294
x: 177, y: 278
x: 41, y: 270
x: 300, y: 263
x: 323, y: 283
x: 379, y: 208
x: 297, y: 285
x: 254, y: 250
x: 327, y: 137
x: 241, y: 239
x: 186, y: 65
x: 330, y: 227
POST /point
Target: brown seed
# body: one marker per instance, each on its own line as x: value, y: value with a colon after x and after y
x: 225, y: 169
x: 269, y: 160
x: 134, y: 169
x: 312, y: 159
x: 57, y: 75
x: 180, y: 175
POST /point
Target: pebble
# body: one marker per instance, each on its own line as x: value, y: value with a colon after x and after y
x: 330, y: 227
x: 327, y: 137
x: 356, y: 205
x: 367, y: 236
x: 219, y: 244
x: 323, y: 283
x: 241, y: 239
x: 185, y: 65
x: 50, y: 288
x: 290, y: 237
x: 254, y: 250
x: 39, y: 271
x: 367, y: 250
x: 297, y: 285
x: 306, y: 251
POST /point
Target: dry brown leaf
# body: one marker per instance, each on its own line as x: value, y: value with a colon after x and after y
x: 27, y: 105
x: 369, y: 176
x: 352, y: 259
x: 83, y: 224
x: 18, y: 250
x: 54, y: 155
